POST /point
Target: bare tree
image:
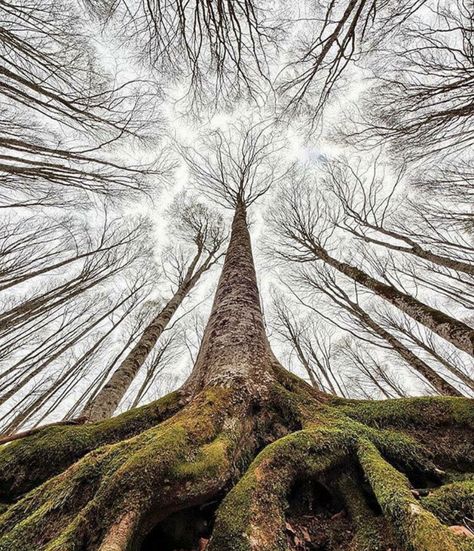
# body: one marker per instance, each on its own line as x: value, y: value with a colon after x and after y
x: 370, y: 373
x: 422, y: 105
x: 58, y: 387
x: 38, y: 245
x: 22, y: 372
x: 224, y: 49
x: 121, y: 477
x: 325, y: 282
x: 202, y: 227
x: 330, y: 39
x: 425, y: 341
x: 305, y: 238
x: 312, y: 345
x: 380, y: 217
x: 157, y: 363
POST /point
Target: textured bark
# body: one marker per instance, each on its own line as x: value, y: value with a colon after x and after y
x: 454, y: 331
x: 235, y: 346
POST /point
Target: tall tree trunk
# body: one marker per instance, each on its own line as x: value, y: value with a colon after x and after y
x: 454, y: 331
x: 226, y: 350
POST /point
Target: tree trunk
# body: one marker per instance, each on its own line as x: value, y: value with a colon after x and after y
x: 454, y: 331
x: 454, y: 370
x: 416, y: 249
x: 439, y: 384
x: 109, y: 397
x: 236, y: 445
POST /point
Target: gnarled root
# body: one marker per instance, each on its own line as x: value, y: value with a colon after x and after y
x: 417, y: 528
x: 138, y: 472
x: 252, y: 517
x: 181, y: 461
x: 453, y: 502
x: 26, y: 463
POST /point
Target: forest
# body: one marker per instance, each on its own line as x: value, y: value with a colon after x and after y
x: 237, y: 275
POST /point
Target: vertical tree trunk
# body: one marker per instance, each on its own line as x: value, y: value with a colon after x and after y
x: 109, y: 397
x: 235, y: 345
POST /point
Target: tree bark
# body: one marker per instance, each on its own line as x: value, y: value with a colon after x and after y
x: 189, y: 449
x: 454, y: 331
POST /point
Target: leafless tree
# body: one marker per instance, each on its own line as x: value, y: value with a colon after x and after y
x: 331, y: 38
x: 368, y: 372
x: 193, y: 223
x: 37, y: 245
x: 94, y: 271
x: 60, y: 385
x: 30, y: 366
x: 313, y: 345
x: 422, y: 105
x: 237, y: 164
x: 305, y: 235
x: 160, y: 359
x: 224, y: 48
x: 366, y: 326
x: 425, y: 341
x: 381, y: 217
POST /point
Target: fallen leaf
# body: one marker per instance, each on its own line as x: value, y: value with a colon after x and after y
x: 290, y: 528
x: 203, y: 544
x: 461, y: 531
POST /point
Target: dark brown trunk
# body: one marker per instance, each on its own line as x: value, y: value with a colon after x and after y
x: 234, y: 346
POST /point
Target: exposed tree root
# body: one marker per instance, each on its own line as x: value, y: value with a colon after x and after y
x: 418, y: 529
x: 452, y: 503
x: 132, y: 472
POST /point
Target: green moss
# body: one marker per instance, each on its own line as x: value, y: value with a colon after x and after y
x: 130, y: 474
x: 209, y: 461
x: 369, y: 534
x: 418, y: 529
x: 254, y: 511
x: 26, y: 463
x: 453, y: 502
x: 403, y: 412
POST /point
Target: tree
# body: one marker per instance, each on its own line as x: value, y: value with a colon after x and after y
x: 370, y: 215
x: 313, y: 349
x: 372, y: 371
x: 305, y: 234
x: 243, y: 427
x: 325, y: 282
x: 202, y: 227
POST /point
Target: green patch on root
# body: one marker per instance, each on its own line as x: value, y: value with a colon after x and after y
x: 28, y: 462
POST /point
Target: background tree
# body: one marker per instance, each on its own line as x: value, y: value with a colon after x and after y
x: 195, y: 224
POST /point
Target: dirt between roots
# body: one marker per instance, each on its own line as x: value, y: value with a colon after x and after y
x: 312, y: 532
